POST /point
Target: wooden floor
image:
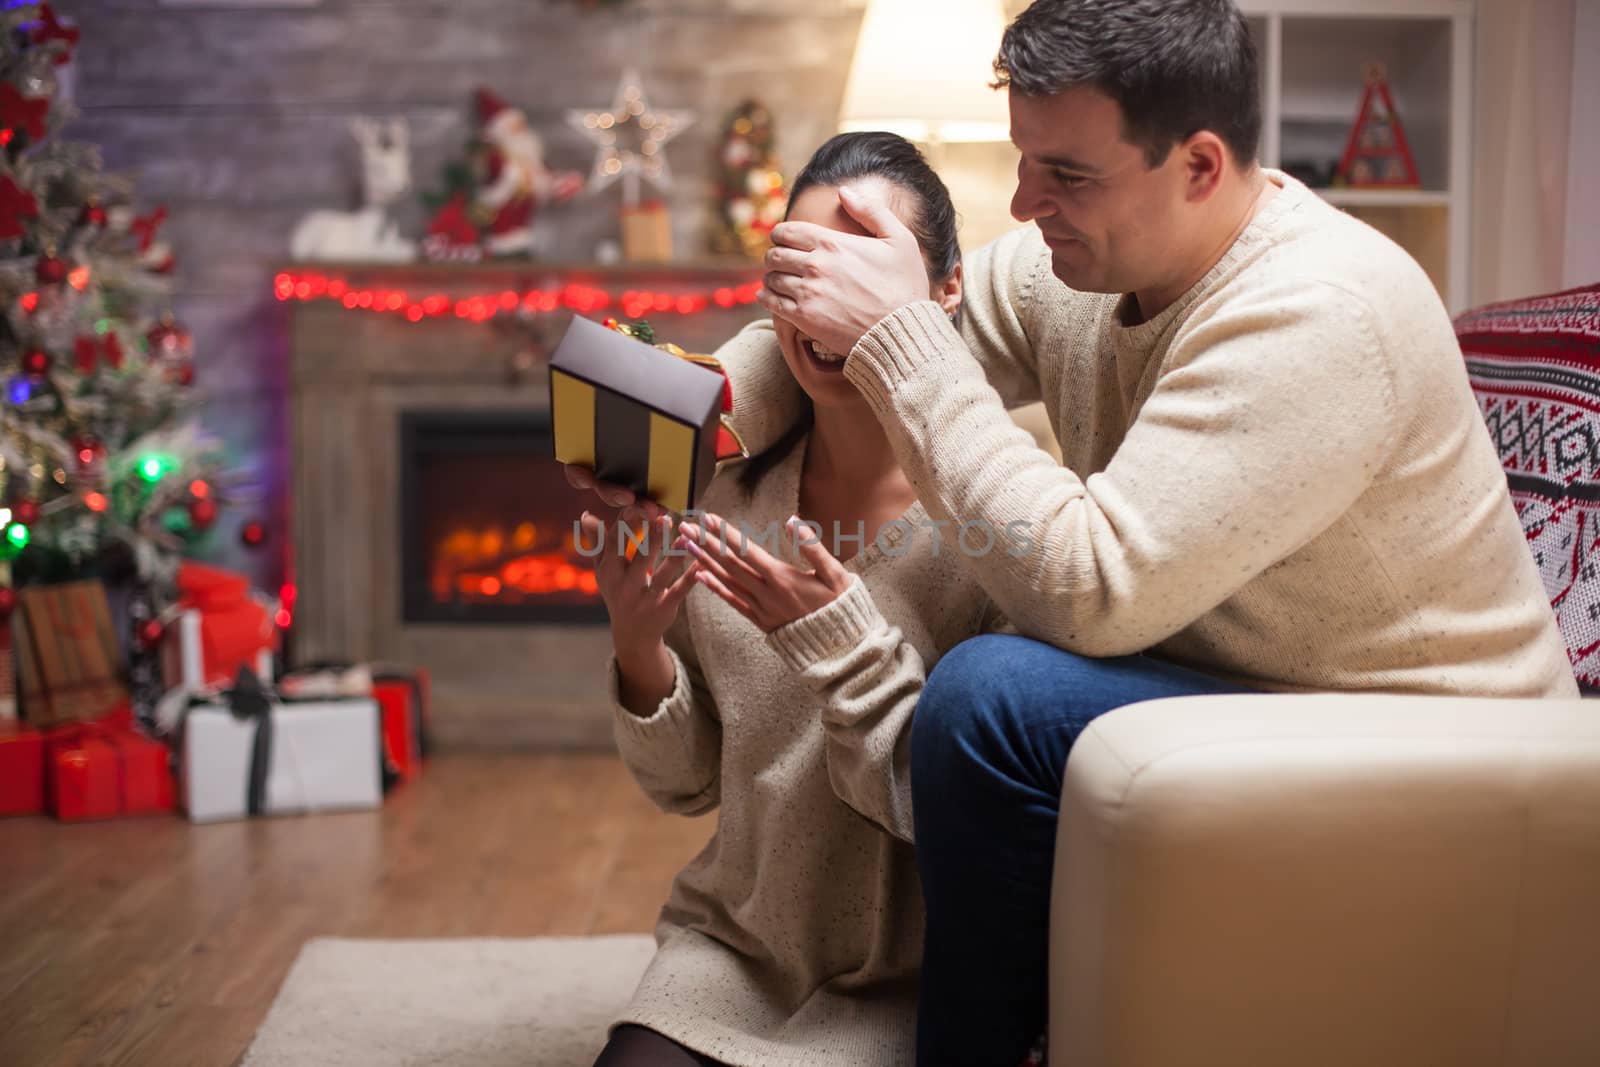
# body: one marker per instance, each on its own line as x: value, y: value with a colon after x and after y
x: 150, y: 941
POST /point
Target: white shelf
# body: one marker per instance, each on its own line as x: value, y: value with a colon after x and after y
x: 1313, y: 59
x: 1384, y: 197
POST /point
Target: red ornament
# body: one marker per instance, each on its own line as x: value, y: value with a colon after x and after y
x: 18, y: 111
x: 16, y: 203
x: 253, y: 533
x: 25, y: 511
x: 150, y: 633
x: 49, y: 28
x: 111, y: 348
x: 89, y: 452
x: 145, y: 227
x: 202, y: 513
x: 185, y: 374
x: 8, y: 602
x: 86, y: 353
x: 50, y: 269
x: 36, y: 361
x: 170, y: 342
x: 93, y: 215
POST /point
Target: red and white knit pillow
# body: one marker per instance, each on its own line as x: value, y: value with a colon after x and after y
x: 1535, y: 367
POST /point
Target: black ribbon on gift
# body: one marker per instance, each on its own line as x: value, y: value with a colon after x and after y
x: 248, y: 699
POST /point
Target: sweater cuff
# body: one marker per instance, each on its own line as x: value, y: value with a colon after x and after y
x: 837, y: 626
x: 903, y: 345
x: 676, y: 708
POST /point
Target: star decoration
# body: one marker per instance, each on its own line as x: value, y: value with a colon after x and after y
x: 630, y: 137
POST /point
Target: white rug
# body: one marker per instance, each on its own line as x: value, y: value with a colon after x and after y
x: 487, y: 1002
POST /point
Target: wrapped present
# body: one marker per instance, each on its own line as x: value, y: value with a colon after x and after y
x: 646, y: 232
x: 69, y: 664
x: 8, y: 669
x: 21, y: 769
x: 106, y: 768
x: 400, y: 695
x: 255, y: 756
x: 189, y: 660
x: 221, y: 628
x: 634, y: 414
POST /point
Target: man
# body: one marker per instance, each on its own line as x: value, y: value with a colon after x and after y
x: 1275, y: 476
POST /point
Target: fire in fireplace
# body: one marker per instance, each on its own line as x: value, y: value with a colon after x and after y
x: 487, y: 522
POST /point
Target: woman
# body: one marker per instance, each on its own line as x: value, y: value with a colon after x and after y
x: 795, y: 937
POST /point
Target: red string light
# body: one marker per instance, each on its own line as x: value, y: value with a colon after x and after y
x: 634, y: 303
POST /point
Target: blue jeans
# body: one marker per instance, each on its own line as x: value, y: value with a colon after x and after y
x: 989, y: 746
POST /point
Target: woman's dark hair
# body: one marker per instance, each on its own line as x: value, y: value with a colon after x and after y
x: 1175, y: 67
x: 842, y: 159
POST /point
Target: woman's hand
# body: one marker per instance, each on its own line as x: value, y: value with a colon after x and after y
x: 642, y: 594
x: 764, y: 589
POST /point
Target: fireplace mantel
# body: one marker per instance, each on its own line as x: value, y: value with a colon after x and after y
x: 352, y: 373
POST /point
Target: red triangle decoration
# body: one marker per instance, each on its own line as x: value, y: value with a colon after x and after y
x: 1377, y: 156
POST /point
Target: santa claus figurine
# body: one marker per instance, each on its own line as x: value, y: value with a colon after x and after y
x: 513, y: 180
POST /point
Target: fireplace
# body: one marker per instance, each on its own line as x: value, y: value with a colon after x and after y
x: 486, y: 522
x: 430, y: 523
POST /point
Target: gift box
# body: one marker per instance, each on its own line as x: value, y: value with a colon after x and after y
x: 400, y: 697
x: 221, y: 628
x: 190, y: 660
x: 646, y: 232
x: 634, y: 414
x: 69, y: 664
x: 106, y: 768
x: 268, y: 758
x: 21, y: 769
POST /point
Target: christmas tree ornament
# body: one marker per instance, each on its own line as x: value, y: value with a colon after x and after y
x: 170, y: 344
x: 50, y: 269
x: 49, y: 29
x: 253, y: 533
x: 369, y: 233
x: 92, y: 214
x: 36, y: 362
x: 22, y: 113
x: 85, y: 353
x: 16, y: 204
x: 750, y: 195
x: 202, y: 513
x: 149, y: 634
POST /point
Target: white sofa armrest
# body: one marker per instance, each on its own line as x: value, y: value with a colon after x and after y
x: 1383, y: 881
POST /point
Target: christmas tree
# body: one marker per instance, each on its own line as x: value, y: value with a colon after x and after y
x: 103, y: 467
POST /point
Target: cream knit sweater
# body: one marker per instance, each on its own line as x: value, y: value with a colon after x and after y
x: 795, y: 938
x: 1282, y: 478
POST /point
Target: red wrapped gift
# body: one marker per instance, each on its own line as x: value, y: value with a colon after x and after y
x: 221, y: 629
x: 21, y: 769
x: 400, y: 696
x: 105, y: 768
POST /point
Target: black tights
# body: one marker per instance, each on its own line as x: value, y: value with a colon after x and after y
x: 635, y: 1046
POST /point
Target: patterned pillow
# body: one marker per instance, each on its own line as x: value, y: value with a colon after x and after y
x: 1535, y: 367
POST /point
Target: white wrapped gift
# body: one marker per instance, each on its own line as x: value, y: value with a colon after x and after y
x: 324, y: 756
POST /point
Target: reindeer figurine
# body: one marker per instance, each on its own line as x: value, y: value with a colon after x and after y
x: 368, y: 233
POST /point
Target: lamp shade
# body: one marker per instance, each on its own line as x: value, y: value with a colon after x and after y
x: 922, y: 69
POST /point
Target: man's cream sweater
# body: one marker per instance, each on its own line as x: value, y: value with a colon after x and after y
x: 1282, y: 478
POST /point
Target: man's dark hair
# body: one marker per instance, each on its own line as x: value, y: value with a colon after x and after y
x: 1175, y: 67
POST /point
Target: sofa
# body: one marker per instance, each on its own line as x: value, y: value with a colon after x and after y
x: 1358, y: 879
